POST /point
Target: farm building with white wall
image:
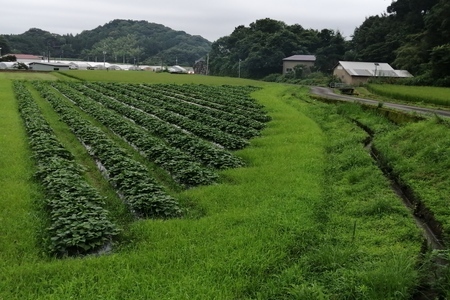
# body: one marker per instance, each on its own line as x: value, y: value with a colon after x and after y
x: 46, y: 66
x: 289, y: 63
x: 355, y: 73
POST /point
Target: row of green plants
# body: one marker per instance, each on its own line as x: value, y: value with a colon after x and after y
x: 224, y: 111
x: 137, y: 94
x: 143, y: 195
x: 163, y: 118
x: 236, y: 96
x: 77, y: 220
x: 182, y: 167
x: 121, y: 100
x: 415, y: 94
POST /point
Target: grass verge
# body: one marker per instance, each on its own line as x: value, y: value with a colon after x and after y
x: 19, y: 191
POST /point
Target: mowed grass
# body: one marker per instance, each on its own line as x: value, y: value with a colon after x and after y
x: 414, y: 94
x: 283, y: 227
x: 18, y: 191
x: 24, y: 75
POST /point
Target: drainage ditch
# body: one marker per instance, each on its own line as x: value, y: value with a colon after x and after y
x: 432, y: 266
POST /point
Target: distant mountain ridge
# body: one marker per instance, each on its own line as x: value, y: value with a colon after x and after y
x: 127, y: 41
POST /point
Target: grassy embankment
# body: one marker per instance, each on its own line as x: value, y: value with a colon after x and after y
x: 423, y: 95
x: 419, y: 154
x: 311, y: 216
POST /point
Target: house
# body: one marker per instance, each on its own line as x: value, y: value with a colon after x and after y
x: 46, y: 66
x: 355, y: 73
x: 290, y: 62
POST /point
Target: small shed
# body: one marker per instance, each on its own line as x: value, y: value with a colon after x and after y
x: 355, y: 73
x: 46, y: 66
x: 290, y: 62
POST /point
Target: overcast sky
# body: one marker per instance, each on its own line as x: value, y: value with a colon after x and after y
x: 210, y: 19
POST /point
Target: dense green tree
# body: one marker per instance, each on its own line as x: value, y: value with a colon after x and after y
x: 440, y: 61
x: 258, y: 50
x: 332, y: 49
x: 437, y: 24
x: 377, y: 38
x: 4, y: 45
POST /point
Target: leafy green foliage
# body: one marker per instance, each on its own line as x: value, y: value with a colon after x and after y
x: 78, y: 222
x: 144, y: 196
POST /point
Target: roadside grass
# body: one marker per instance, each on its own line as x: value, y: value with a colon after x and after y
x: 423, y: 95
x: 309, y: 217
x: 19, y: 192
x: 419, y: 154
x: 368, y: 243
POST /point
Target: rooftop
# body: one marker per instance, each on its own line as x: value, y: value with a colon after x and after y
x: 301, y: 58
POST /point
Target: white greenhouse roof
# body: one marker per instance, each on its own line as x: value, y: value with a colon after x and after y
x: 7, y: 65
x: 371, y: 69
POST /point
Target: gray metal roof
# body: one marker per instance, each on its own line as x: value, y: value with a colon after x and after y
x: 371, y: 69
x: 301, y: 58
x: 56, y: 64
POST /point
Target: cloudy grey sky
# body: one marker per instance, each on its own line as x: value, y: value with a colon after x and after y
x: 209, y: 18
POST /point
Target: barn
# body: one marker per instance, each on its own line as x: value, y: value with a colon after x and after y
x: 290, y: 62
x: 356, y: 73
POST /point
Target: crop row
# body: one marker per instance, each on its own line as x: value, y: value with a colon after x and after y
x: 227, y: 99
x: 183, y: 168
x: 238, y: 96
x: 203, y: 151
x: 78, y: 221
x: 131, y: 179
x: 157, y: 117
x: 225, y: 112
x: 144, y: 99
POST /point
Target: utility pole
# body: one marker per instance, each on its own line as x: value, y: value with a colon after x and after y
x: 239, y: 68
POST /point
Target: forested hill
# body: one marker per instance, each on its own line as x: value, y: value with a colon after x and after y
x: 122, y: 40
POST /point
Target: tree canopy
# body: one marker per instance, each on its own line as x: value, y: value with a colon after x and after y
x: 258, y: 50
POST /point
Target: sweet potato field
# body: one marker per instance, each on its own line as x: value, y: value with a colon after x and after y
x: 186, y: 143
x: 136, y: 186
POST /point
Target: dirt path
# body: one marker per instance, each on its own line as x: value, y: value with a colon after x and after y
x: 329, y: 94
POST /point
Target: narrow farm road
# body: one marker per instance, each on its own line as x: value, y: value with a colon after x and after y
x: 328, y: 93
